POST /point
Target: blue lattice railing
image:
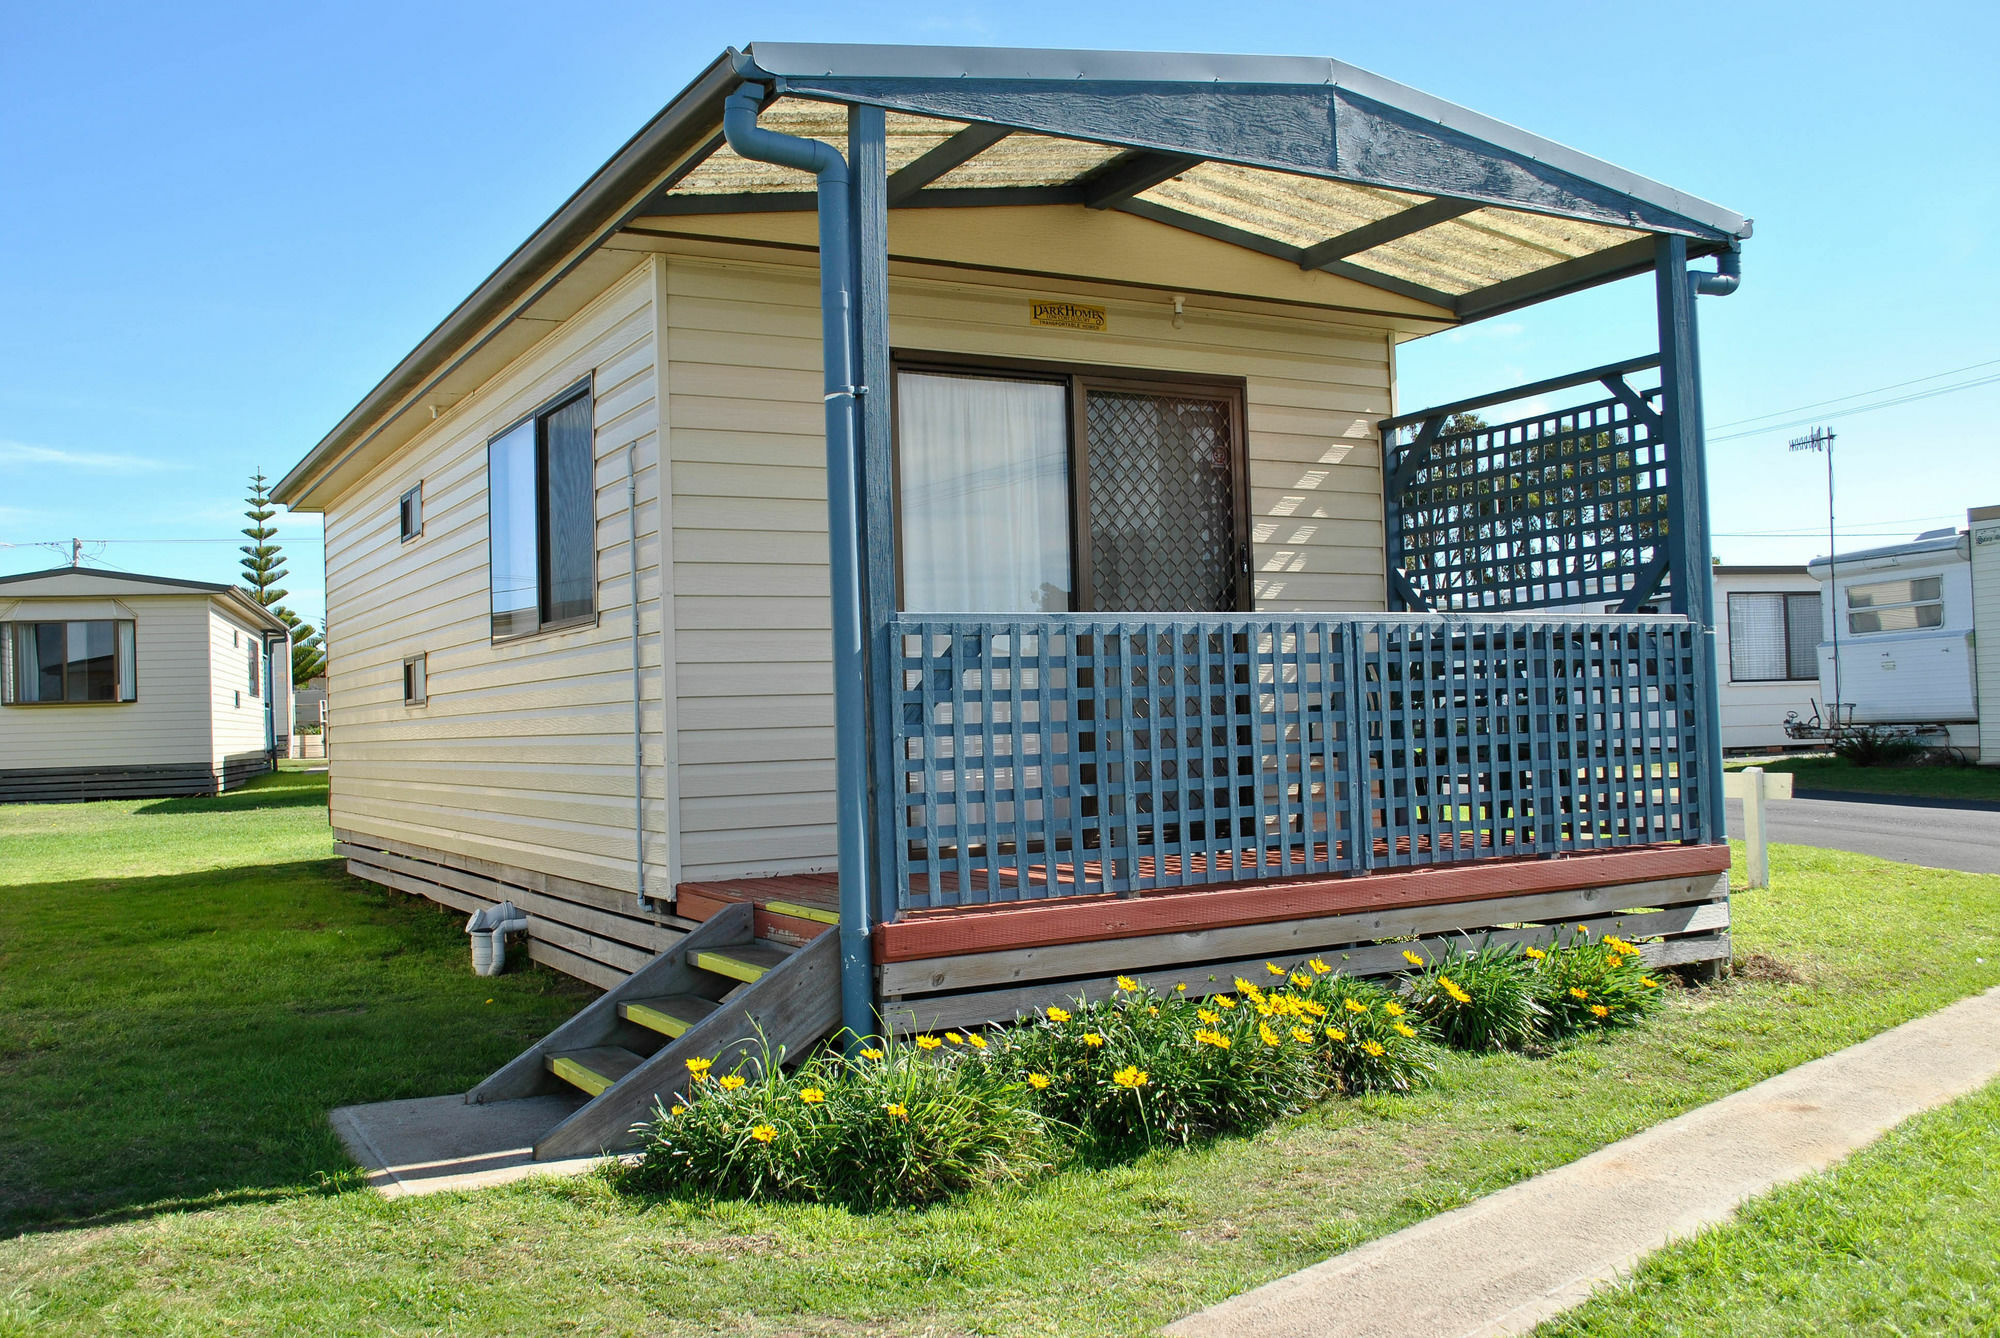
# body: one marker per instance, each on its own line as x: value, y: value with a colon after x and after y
x: 1072, y: 754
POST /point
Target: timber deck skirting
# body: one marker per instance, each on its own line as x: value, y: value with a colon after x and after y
x: 596, y: 934
x: 57, y: 785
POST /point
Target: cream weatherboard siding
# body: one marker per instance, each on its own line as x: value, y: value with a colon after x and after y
x: 523, y: 753
x: 754, y: 717
x: 169, y: 723
x: 1984, y: 524
x: 237, y: 718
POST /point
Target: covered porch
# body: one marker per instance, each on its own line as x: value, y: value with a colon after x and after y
x: 1165, y: 776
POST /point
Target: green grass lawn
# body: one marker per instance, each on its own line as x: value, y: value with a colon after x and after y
x: 1927, y: 782
x: 183, y: 1005
x: 1902, y: 1238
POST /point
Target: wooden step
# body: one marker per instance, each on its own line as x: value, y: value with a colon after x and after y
x: 595, y: 1069
x: 746, y: 962
x: 669, y: 1014
x: 800, y: 911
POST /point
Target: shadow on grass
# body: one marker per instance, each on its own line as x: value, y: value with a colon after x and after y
x: 177, y: 1041
x: 275, y: 789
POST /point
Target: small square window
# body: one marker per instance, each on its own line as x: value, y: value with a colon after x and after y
x: 414, y: 693
x: 411, y: 513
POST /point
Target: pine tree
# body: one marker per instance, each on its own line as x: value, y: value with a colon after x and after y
x: 263, y: 568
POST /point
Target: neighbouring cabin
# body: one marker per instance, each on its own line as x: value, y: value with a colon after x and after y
x: 1039, y: 579
x: 1768, y: 628
x: 121, y: 686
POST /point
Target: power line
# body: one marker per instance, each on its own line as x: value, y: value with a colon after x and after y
x: 1861, y: 408
x: 1859, y: 394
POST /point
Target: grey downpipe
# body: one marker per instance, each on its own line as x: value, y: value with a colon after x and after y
x: 488, y: 927
x: 1728, y: 275
x: 837, y: 337
x: 638, y: 705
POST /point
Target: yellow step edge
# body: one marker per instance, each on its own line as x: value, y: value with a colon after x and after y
x: 736, y: 969
x: 793, y: 908
x: 664, y: 1023
x: 572, y: 1072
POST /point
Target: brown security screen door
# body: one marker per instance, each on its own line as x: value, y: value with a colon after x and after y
x: 1025, y: 489
x: 1162, y: 505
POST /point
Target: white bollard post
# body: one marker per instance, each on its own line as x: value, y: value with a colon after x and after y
x: 1758, y: 857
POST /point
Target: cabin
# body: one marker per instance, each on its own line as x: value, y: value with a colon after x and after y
x: 1901, y: 652
x: 1982, y: 527
x: 117, y: 686
x: 922, y: 531
x: 1768, y: 629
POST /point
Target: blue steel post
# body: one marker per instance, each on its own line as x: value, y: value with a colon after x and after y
x: 1692, y: 590
x: 855, y: 847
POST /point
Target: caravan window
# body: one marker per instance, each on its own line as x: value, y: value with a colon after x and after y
x: 1773, y: 637
x: 1896, y: 606
x: 542, y: 518
x: 47, y: 663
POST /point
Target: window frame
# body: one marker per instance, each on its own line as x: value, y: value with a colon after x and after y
x: 1785, y: 597
x: 1847, y: 597
x: 255, y: 682
x: 10, y: 689
x: 584, y: 389
x: 411, y: 505
x: 417, y: 689
x: 1078, y: 379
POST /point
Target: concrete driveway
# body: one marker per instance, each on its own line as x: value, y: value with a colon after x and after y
x: 1937, y: 833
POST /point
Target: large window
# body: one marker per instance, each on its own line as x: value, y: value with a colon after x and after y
x: 1773, y: 637
x: 1896, y: 606
x: 47, y: 663
x: 543, y: 518
x: 1024, y: 489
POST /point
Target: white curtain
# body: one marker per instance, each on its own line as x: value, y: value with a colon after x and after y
x: 983, y: 465
x: 1756, y: 638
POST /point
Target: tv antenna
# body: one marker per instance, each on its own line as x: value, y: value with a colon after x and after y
x: 1821, y: 439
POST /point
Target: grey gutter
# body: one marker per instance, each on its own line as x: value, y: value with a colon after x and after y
x: 599, y: 204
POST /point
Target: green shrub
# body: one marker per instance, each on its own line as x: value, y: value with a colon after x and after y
x: 1368, y: 1041
x: 1873, y: 746
x: 1483, y: 1000
x: 1140, y: 1070
x: 1588, y: 986
x: 892, y: 1125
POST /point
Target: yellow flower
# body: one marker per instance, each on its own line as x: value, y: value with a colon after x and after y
x: 1319, y: 968
x: 1058, y: 1014
x: 1404, y: 1029
x: 1301, y: 979
x: 699, y: 1068
x: 954, y: 1038
x: 812, y: 1096
x: 1393, y: 1009
x: 1599, y: 1010
x: 1224, y: 1001
x: 732, y: 1082
x: 1038, y: 1081
x: 1412, y: 958
x: 1583, y: 930
x: 975, y: 1040
x: 1302, y: 1034
x: 1130, y: 1076
x: 763, y: 1133
x: 1208, y: 1015
x: 1129, y: 985
x: 1355, y: 1006
x: 871, y: 1053
x: 1214, y: 1038
x: 1181, y: 988
x: 1576, y: 993
x: 1454, y: 989
x: 1274, y: 968
x: 1335, y: 1034
x: 1534, y: 954
x: 678, y: 1110
x: 1373, y: 1049
x: 928, y: 1042
x: 1265, y: 1033
x: 1092, y: 1039
x: 897, y: 1108
x: 1307, y: 1006
x: 1649, y: 982
x: 1152, y: 1012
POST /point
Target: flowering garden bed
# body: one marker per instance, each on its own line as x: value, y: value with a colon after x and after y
x: 910, y: 1122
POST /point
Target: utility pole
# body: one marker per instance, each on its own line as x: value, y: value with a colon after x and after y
x: 1820, y: 439
x: 76, y: 552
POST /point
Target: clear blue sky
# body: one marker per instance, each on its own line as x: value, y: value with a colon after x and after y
x: 220, y: 225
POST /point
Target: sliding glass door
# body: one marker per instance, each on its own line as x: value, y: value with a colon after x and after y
x: 1043, y: 492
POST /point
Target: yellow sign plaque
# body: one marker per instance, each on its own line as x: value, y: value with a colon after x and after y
x: 1067, y: 315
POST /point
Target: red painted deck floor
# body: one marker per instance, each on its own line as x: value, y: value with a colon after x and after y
x: 799, y: 906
